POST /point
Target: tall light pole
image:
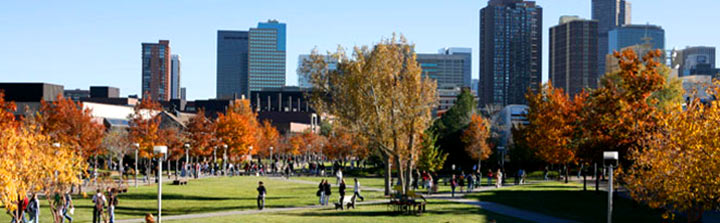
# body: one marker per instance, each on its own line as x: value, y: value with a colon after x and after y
x: 187, y: 159
x: 160, y: 150
x: 137, y: 148
x: 610, y: 159
x: 224, y: 168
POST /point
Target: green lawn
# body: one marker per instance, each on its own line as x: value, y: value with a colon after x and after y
x: 437, y: 211
x: 374, y: 182
x: 204, y: 195
x: 570, y: 202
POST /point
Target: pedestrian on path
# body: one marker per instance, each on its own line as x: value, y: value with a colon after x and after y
x: 489, y: 177
x: 99, y: 200
x: 470, y: 182
x: 261, y: 195
x: 498, y: 177
x: 545, y: 173
x: 357, y: 190
x: 33, y: 209
x: 67, y: 207
x: 453, y: 184
x: 338, y: 176
x: 321, y: 192
x: 461, y: 181
x: 341, y: 189
x: 328, y: 191
x: 112, y: 203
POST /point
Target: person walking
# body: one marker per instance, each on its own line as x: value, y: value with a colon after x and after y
x: 341, y: 189
x: 112, y: 203
x: 461, y: 182
x: 338, y: 176
x: 99, y: 200
x: 67, y: 207
x: 498, y: 177
x: 321, y: 192
x: 453, y: 184
x: 545, y: 173
x: 328, y: 191
x: 357, y: 190
x: 489, y: 177
x: 261, y: 195
x: 430, y: 184
x: 33, y: 209
x: 470, y: 182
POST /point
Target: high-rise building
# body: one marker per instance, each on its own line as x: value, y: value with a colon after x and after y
x: 303, y: 78
x: 630, y: 35
x: 266, y: 56
x: 183, y: 93
x: 450, y: 67
x: 251, y: 60
x: 694, y: 60
x: 232, y: 63
x: 175, y: 76
x: 510, y: 51
x: 573, y: 54
x: 610, y: 14
x: 156, y: 70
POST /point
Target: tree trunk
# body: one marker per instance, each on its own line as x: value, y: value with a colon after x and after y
x: 584, y: 175
x: 388, y: 174
x: 597, y: 180
x: 566, y: 173
x: 401, y: 175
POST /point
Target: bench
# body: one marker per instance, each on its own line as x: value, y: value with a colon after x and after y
x: 179, y: 182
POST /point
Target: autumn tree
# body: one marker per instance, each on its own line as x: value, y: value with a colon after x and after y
x: 381, y: 94
x: 268, y: 136
x: 342, y: 145
x: 676, y: 168
x: 475, y: 137
x: 237, y: 129
x: 200, y: 132
x: 553, y: 120
x: 432, y: 158
x: 67, y: 123
x: 451, y: 126
x: 145, y: 129
x: 117, y: 144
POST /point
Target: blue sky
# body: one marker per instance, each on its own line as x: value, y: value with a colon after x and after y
x: 83, y: 43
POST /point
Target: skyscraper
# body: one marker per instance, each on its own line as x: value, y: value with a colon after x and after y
x: 232, y: 63
x: 630, y: 35
x: 450, y: 67
x: 251, y: 60
x: 694, y: 60
x: 510, y: 51
x: 610, y: 14
x: 156, y: 70
x: 175, y: 76
x: 573, y: 54
x: 266, y: 56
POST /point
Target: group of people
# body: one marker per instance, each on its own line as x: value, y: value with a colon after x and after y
x: 102, y: 203
x: 29, y: 208
x: 325, y: 191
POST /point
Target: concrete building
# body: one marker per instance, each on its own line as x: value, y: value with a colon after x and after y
x: 175, y: 76
x: 610, y: 14
x: 303, y: 77
x: 510, y: 51
x: 104, y: 92
x: 573, y: 54
x: 450, y: 67
x: 287, y: 108
x: 447, y: 98
x: 76, y: 94
x: 251, y: 60
x: 156, y: 70
x: 183, y: 93
x: 695, y: 86
x: 27, y: 96
x: 694, y: 60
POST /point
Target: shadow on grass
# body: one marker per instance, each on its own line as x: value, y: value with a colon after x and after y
x: 172, y: 196
x: 583, y: 206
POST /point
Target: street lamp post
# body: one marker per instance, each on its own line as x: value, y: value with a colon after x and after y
x: 137, y: 148
x: 611, y: 161
x: 187, y: 159
x: 225, y: 147
x: 161, y: 150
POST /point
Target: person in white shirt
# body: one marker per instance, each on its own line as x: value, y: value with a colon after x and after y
x: 99, y: 201
x: 357, y: 190
x: 339, y: 176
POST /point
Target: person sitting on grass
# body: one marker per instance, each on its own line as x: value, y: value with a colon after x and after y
x: 261, y: 195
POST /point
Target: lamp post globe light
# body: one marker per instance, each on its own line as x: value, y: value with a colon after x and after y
x: 137, y: 148
x: 610, y: 160
x: 187, y: 158
x: 159, y: 150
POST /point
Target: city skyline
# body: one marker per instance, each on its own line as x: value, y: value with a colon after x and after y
x: 111, y: 32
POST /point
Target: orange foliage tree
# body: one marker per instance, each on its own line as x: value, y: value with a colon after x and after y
x: 237, y: 128
x: 68, y: 124
x: 343, y: 144
x: 553, y: 121
x: 475, y: 137
x: 200, y: 132
x: 145, y: 126
x: 268, y: 137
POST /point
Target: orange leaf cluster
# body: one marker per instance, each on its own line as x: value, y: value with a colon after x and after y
x: 475, y: 137
x: 68, y: 124
x: 237, y: 128
x: 145, y: 126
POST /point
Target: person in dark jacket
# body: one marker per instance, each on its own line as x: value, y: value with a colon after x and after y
x: 261, y: 195
x: 342, y: 192
x: 328, y: 191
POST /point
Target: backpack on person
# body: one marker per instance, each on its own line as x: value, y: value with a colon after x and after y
x: 98, y: 203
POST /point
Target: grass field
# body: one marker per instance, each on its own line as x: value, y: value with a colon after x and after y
x: 437, y: 211
x: 200, y: 196
x: 570, y: 202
